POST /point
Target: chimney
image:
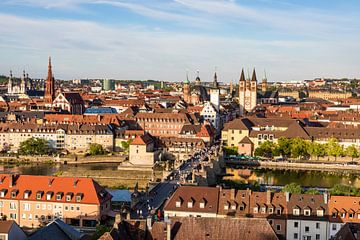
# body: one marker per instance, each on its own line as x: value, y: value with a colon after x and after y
x: 50, y: 182
x: 268, y: 196
x: 326, y: 198
x: 232, y: 194
x: 149, y: 223
x: 75, y: 182
x: 168, y: 230
x: 117, y: 221
x: 287, y: 195
x: 11, y: 180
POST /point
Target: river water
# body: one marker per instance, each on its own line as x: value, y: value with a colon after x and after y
x: 268, y: 176
x: 306, y: 178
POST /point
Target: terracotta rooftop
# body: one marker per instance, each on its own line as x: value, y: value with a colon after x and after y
x: 38, y: 187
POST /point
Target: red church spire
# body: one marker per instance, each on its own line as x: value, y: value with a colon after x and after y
x: 49, y: 85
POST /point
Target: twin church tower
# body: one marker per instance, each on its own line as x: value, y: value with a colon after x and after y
x: 248, y: 94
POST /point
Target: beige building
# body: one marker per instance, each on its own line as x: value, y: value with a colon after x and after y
x: 72, y: 137
x: 329, y: 95
x: 33, y: 201
x: 141, y: 151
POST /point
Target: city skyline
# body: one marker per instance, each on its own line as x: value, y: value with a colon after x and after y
x: 161, y: 41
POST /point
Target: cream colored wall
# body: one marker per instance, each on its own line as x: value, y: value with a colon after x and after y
x: 238, y: 135
x: 49, y: 208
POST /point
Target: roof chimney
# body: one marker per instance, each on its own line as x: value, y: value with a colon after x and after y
x: 11, y: 180
x: 50, y: 181
x: 326, y: 198
x: 232, y: 194
x: 75, y: 182
x: 268, y: 196
x: 287, y: 195
x: 168, y: 230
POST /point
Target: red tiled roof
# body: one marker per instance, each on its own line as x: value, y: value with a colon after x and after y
x: 92, y: 192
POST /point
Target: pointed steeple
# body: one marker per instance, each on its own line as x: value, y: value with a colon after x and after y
x: 253, y: 78
x: 187, y: 78
x: 197, y: 80
x: 215, y: 83
x: 49, y: 85
x: 242, y: 76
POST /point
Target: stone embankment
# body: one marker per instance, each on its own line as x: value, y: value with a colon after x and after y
x: 298, y: 165
x: 64, y: 160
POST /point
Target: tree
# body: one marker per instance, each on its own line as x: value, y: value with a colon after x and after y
x: 352, y: 152
x: 231, y: 150
x: 298, y: 148
x: 96, y: 149
x: 316, y: 149
x: 34, y: 146
x: 344, y: 190
x: 333, y: 148
x: 266, y: 149
x: 312, y: 191
x: 292, y: 188
x: 284, y: 146
x: 126, y: 145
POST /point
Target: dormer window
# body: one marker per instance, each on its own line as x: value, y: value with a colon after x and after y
x: 190, y: 204
x: 178, y: 203
x: 49, y: 195
x: 69, y: 196
x: 14, y: 193
x: 296, y: 211
x: 320, y: 213
x: 307, y: 212
x: 79, y: 197
x: 39, y: 195
x: 27, y: 194
x: 263, y: 209
x: 202, y: 205
x: 256, y: 209
x: 3, y: 193
x: 226, y: 206
x: 59, y: 196
x: 271, y: 210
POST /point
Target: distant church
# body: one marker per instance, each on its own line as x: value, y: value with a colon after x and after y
x: 250, y: 96
x: 25, y: 84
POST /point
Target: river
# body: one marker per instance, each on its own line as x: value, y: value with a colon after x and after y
x: 306, y: 178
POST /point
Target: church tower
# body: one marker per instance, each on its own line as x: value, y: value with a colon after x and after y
x: 23, y: 84
x: 242, y: 90
x: 186, y: 89
x: 264, y: 83
x: 49, y: 85
x: 10, y: 83
x: 215, y: 83
x: 253, y: 94
x: 247, y: 92
x: 197, y: 80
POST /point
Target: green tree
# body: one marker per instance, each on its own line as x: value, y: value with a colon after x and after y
x: 292, y: 188
x: 266, y: 149
x: 96, y: 149
x: 299, y: 148
x: 312, y: 191
x: 231, y: 150
x: 126, y: 145
x: 34, y: 146
x: 352, y: 152
x: 344, y: 190
x: 333, y: 148
x: 284, y: 146
x: 316, y: 150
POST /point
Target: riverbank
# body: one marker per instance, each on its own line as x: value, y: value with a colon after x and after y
x: 19, y: 160
x: 296, y: 165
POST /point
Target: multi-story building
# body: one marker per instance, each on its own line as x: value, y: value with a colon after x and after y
x: 33, y: 201
x: 190, y: 201
x: 163, y: 124
x: 76, y: 137
x: 307, y: 216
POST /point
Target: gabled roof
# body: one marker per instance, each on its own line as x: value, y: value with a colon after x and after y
x: 246, y: 140
x: 142, y: 140
x: 58, y: 230
x: 92, y: 192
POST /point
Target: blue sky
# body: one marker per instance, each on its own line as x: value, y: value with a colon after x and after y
x: 159, y: 39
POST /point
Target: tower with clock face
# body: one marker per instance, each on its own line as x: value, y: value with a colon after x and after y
x: 247, y: 92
